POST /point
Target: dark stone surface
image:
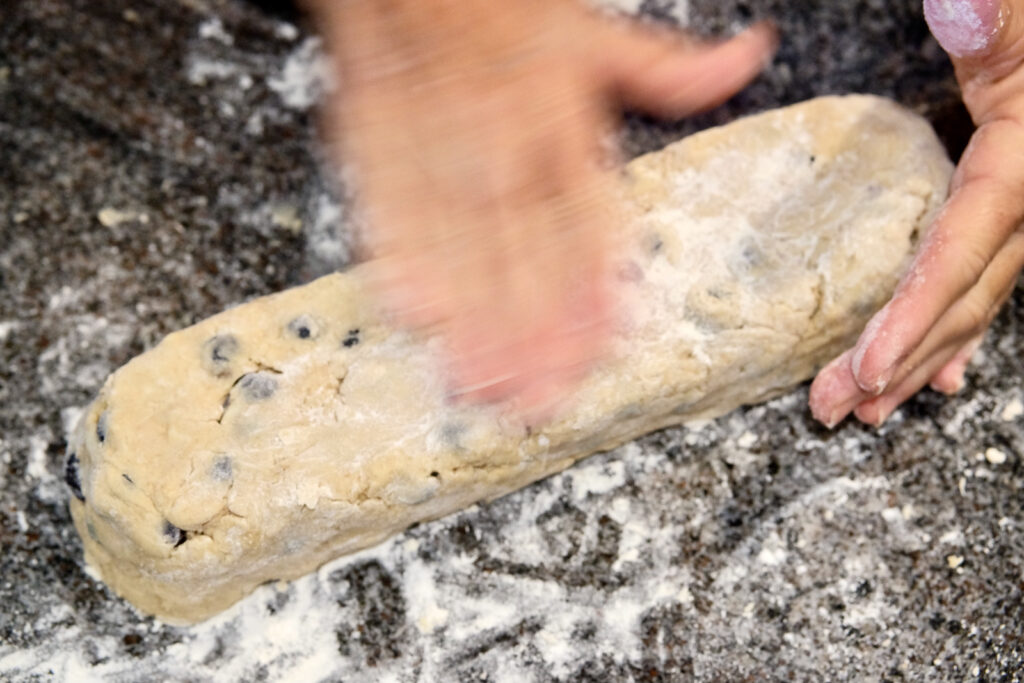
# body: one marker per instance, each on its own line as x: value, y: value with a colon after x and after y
x: 757, y: 547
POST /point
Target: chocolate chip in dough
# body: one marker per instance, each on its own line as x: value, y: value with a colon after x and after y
x: 304, y: 327
x: 221, y: 469
x: 451, y: 434
x: 173, y: 534
x: 351, y: 339
x: 218, y: 353
x: 71, y: 476
x: 101, y: 427
x: 258, y: 386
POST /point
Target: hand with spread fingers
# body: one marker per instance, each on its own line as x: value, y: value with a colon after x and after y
x: 476, y: 131
x: 970, y: 259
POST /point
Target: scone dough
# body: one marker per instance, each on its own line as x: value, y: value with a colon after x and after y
x: 273, y: 437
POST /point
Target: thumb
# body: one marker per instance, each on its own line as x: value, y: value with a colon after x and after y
x: 670, y: 76
x: 965, y: 28
x: 985, y: 39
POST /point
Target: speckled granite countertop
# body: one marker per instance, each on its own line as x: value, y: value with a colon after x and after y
x: 158, y: 163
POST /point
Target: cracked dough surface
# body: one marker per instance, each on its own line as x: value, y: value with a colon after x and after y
x: 264, y: 441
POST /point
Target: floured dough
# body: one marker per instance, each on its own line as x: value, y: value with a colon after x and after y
x: 266, y: 440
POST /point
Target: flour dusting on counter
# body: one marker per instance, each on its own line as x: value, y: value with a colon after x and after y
x: 854, y: 592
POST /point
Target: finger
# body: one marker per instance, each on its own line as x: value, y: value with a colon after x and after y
x: 431, y: 192
x: 562, y: 347
x: 985, y: 39
x: 985, y: 208
x: 413, y: 230
x: 547, y: 277
x: 950, y: 379
x: 876, y: 411
x: 952, y: 357
x: 835, y: 392
x: 964, y: 27
x: 963, y: 322
x: 409, y: 289
x: 668, y: 76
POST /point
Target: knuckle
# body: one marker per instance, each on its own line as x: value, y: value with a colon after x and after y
x: 972, y: 263
x: 975, y: 315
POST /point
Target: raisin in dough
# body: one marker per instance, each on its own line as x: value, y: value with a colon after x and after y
x: 269, y: 439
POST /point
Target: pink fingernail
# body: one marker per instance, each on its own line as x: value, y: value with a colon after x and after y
x: 831, y: 391
x: 949, y: 389
x: 963, y: 27
x: 880, y: 383
x: 876, y: 332
x: 876, y: 421
x: 830, y: 419
x: 882, y: 418
x: 819, y: 413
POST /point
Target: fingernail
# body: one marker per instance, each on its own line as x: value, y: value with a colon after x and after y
x: 834, y: 392
x: 826, y: 415
x: 963, y: 27
x: 949, y: 389
x: 832, y: 413
x: 818, y: 414
x: 877, y: 385
x: 876, y: 332
x: 882, y: 383
x: 877, y: 420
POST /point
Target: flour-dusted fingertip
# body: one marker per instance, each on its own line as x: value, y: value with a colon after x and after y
x: 826, y: 415
x: 875, y: 384
x: 833, y: 392
x: 876, y: 355
x: 822, y: 404
x: 821, y: 413
x: 832, y: 419
x: 965, y: 28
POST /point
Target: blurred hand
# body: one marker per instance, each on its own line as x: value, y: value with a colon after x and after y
x: 969, y: 261
x: 476, y: 130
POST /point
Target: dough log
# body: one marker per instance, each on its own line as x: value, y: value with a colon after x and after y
x: 273, y: 437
